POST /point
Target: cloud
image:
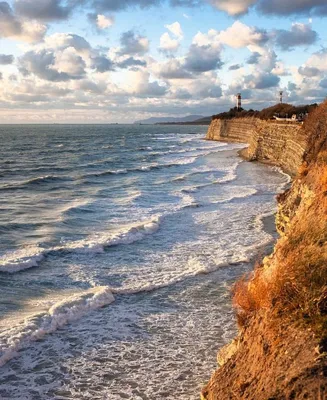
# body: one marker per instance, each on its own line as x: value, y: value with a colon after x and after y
x: 13, y: 27
x: 6, y: 59
x: 280, y: 69
x: 272, y: 7
x: 9, y: 24
x: 175, y: 29
x: 204, y: 54
x: 44, y: 10
x: 60, y: 58
x: 69, y: 62
x: 168, y: 44
x: 138, y: 84
x: 235, y: 67
x: 131, y: 62
x: 61, y: 41
x: 323, y: 83
x: 233, y: 7
x: 102, y: 64
x: 266, y: 80
x: 240, y: 35
x: 132, y: 43
x: 299, y: 35
x: 118, y: 5
x: 104, y: 22
x: 173, y: 69
x: 318, y: 60
x: 202, y: 58
x: 186, y: 3
x: 294, y: 7
x: 89, y: 86
x: 254, y: 58
x: 41, y: 63
x: 309, y: 71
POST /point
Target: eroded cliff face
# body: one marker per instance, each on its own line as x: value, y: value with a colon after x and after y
x: 277, y: 143
x: 281, y: 350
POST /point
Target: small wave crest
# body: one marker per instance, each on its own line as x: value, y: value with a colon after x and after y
x: 59, y: 314
x: 21, y: 259
x: 34, y: 182
x: 31, y: 257
x: 143, y: 168
x: 126, y: 235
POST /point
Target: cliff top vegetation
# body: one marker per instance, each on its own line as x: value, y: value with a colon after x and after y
x: 282, y: 110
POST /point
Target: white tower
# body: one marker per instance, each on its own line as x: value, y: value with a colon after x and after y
x: 281, y: 97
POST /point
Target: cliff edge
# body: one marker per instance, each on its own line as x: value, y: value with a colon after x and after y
x: 281, y: 350
x: 280, y: 144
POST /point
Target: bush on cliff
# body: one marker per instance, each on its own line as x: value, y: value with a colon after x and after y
x: 282, y: 110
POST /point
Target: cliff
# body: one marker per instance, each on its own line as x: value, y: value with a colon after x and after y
x: 281, y: 350
x: 277, y: 143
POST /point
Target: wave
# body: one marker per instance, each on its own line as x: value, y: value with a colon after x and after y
x: 75, y: 307
x: 214, y: 148
x: 22, y: 259
x: 194, y: 267
x: 288, y: 177
x: 36, y: 181
x: 42, y: 179
x: 58, y: 315
x: 143, y: 168
x: 229, y: 177
x: 126, y: 235
x: 31, y: 257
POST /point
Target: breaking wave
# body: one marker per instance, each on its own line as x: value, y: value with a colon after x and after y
x: 31, y: 257
x: 59, y: 314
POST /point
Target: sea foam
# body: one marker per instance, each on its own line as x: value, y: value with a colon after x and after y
x: 58, y: 315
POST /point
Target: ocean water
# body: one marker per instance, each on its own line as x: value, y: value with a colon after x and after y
x: 118, y: 248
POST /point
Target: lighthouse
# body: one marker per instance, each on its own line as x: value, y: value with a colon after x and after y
x: 281, y: 97
x: 238, y: 101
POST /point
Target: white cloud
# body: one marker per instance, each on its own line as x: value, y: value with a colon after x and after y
x: 175, y: 29
x: 69, y: 62
x: 104, y: 22
x: 168, y: 44
x: 240, y: 35
x: 233, y: 7
x: 318, y: 60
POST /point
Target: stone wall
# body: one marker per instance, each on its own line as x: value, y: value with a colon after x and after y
x: 280, y: 144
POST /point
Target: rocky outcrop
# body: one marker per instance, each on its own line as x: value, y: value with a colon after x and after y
x: 281, y: 144
x: 281, y: 350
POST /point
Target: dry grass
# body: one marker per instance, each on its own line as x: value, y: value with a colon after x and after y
x: 297, y: 287
x: 250, y: 294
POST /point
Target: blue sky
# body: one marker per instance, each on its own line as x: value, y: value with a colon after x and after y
x: 124, y: 60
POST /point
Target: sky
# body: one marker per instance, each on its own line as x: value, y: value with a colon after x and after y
x: 108, y: 61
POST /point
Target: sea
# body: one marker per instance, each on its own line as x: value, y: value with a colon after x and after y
x: 119, y: 246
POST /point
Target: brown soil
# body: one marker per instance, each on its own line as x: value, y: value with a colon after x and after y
x: 273, y: 363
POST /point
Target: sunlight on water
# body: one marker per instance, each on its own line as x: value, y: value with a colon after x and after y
x: 118, y: 247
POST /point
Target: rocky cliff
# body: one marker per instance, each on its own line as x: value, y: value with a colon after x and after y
x: 278, y: 143
x: 281, y: 350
